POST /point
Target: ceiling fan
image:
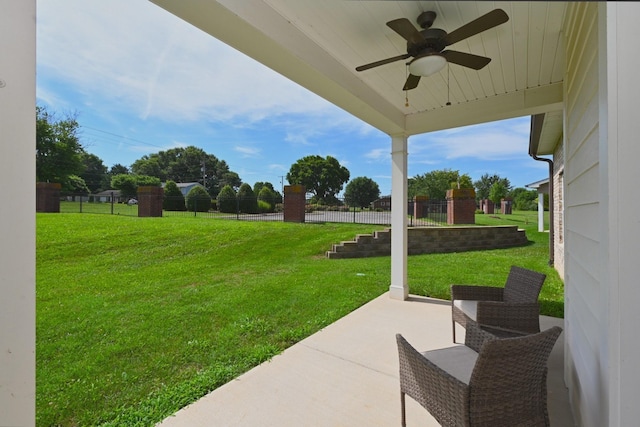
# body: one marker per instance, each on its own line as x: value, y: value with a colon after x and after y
x: 427, y: 46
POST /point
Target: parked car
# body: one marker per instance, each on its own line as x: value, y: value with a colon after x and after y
x: 132, y: 202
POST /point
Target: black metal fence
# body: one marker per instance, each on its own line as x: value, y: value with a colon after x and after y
x: 419, y: 214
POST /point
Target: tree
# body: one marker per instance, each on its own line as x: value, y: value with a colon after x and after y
x: 227, y: 178
x: 95, y: 173
x: 258, y: 186
x: 322, y: 177
x: 188, y: 164
x: 173, y: 200
x: 267, y: 199
x: 361, y: 191
x: 75, y: 185
x: 247, y: 200
x: 276, y: 196
x: 484, y: 184
x: 118, y: 169
x: 128, y: 184
x: 58, y: 149
x: 498, y: 192
x: 435, y: 184
x: 198, y: 200
x: 524, y: 200
x: 149, y: 166
x: 227, y: 202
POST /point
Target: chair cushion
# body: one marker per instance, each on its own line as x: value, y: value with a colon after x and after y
x: 468, y: 307
x: 458, y: 361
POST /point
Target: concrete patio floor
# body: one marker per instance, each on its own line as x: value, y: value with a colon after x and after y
x: 347, y: 374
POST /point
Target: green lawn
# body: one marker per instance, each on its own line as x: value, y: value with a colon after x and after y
x: 136, y: 317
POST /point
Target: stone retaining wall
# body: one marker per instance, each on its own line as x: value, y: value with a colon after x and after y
x: 427, y: 240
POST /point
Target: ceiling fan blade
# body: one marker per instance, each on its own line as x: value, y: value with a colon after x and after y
x: 483, y: 23
x: 382, y: 62
x: 405, y: 28
x: 412, y: 82
x: 466, y: 59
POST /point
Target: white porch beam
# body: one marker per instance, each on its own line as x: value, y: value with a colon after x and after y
x: 500, y: 107
x: 399, y: 288
x: 258, y: 31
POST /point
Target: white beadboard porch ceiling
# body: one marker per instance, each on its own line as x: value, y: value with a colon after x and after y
x: 319, y: 43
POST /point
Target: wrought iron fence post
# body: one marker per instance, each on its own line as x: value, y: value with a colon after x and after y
x: 112, y: 200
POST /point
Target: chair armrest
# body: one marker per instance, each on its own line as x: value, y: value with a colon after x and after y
x: 476, y: 293
x: 519, y: 317
x: 476, y: 337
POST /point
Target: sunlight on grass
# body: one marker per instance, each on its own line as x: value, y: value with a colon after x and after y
x: 137, y: 317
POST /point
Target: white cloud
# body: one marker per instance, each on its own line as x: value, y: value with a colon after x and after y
x: 138, y: 56
x: 378, y: 154
x: 277, y: 168
x: 248, y: 151
x: 148, y: 150
x: 503, y: 140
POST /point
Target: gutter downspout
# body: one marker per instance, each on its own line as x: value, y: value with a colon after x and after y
x: 534, y: 141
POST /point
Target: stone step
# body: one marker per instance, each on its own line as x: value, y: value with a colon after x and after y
x: 423, y: 240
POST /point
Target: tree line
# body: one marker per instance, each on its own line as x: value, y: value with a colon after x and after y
x: 493, y: 187
x: 61, y: 157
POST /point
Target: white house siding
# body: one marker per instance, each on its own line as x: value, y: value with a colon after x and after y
x: 585, y: 308
x: 620, y: 152
x: 17, y: 227
x: 602, y: 229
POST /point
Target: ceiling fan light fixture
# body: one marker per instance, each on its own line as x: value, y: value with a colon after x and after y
x: 427, y: 65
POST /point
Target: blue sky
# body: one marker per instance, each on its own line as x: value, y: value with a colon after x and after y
x: 141, y: 80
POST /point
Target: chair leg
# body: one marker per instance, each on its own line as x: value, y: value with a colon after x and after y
x: 403, y: 421
x: 453, y: 327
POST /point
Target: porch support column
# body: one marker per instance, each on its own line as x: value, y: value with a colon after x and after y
x: 18, y: 225
x: 541, y: 211
x: 399, y: 288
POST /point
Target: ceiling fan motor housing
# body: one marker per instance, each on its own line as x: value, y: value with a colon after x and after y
x: 433, y: 42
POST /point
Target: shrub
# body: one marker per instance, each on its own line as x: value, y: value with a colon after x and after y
x: 227, y: 202
x: 264, y: 207
x: 266, y: 200
x: 173, y: 199
x: 247, y: 200
x: 198, y: 200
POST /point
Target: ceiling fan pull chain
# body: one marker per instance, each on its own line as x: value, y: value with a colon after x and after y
x: 448, y: 78
x: 406, y: 92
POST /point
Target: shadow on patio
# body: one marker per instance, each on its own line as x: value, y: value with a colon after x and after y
x: 347, y: 374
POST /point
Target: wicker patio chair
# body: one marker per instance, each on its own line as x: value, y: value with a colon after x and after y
x: 513, y: 307
x: 503, y: 385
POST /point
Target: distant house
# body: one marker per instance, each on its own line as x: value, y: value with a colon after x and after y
x: 383, y: 203
x: 185, y: 187
x: 542, y: 187
x: 107, y: 195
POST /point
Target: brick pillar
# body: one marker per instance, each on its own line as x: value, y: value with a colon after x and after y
x: 419, y: 208
x: 150, y: 201
x: 506, y: 205
x: 294, y: 202
x: 461, y: 206
x: 487, y: 206
x: 48, y: 197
